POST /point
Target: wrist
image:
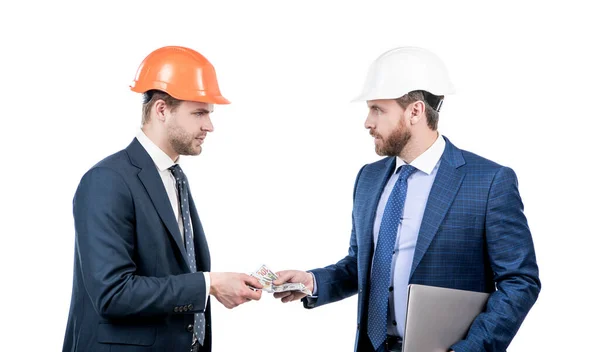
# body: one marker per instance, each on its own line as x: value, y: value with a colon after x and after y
x: 211, y: 289
x: 311, y: 282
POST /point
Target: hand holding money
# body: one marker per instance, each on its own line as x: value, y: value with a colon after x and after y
x: 272, y: 283
x: 294, y: 277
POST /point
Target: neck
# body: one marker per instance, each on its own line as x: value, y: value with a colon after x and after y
x: 160, y: 139
x: 418, y: 145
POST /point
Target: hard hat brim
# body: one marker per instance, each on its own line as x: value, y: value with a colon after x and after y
x: 197, y: 96
x: 379, y: 96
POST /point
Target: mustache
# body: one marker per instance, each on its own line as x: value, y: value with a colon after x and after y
x: 374, y: 134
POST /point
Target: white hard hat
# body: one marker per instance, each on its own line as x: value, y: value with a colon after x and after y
x: 403, y: 70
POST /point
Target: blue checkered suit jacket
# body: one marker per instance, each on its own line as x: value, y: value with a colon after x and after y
x: 474, y: 236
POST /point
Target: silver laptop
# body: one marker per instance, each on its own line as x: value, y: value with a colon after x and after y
x: 437, y: 318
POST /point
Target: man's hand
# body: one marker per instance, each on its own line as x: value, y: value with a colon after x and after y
x: 293, y: 276
x: 231, y: 289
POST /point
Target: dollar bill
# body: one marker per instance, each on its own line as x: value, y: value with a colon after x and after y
x: 265, y: 276
x: 292, y: 286
x: 266, y: 273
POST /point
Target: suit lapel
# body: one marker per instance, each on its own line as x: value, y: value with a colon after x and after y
x: 443, y: 191
x: 156, y: 190
x: 379, y: 176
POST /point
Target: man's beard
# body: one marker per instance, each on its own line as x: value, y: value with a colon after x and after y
x: 182, y: 142
x: 395, y: 143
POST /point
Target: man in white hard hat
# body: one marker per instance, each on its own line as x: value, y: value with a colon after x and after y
x: 428, y: 213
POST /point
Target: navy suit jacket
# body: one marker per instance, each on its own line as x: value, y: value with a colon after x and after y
x: 474, y: 236
x: 132, y: 288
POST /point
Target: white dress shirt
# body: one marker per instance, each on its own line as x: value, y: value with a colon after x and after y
x: 419, y: 186
x: 163, y: 162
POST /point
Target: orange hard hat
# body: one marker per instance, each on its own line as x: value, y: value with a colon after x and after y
x: 180, y: 72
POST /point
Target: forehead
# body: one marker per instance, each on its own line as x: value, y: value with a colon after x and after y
x: 195, y: 105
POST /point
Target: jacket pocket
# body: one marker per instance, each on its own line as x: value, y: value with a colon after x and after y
x: 139, y: 335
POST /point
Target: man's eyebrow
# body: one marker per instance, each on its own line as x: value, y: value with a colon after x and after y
x: 202, y: 110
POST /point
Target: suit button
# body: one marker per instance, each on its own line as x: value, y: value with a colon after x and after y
x: 185, y: 308
x: 176, y: 309
x: 391, y: 288
x: 190, y: 328
x: 357, y: 326
x: 190, y: 306
x: 394, y: 322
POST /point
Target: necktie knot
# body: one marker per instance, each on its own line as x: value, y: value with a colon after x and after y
x: 176, y: 170
x: 180, y: 177
x: 406, y: 171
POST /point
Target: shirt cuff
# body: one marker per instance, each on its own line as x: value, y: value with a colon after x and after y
x: 207, y: 285
x: 314, y: 293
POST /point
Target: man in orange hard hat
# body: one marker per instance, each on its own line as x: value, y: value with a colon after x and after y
x: 142, y: 275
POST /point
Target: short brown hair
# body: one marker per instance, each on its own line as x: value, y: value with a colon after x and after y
x: 428, y: 99
x: 150, y: 97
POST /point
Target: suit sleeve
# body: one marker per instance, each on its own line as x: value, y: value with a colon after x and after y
x: 512, y: 258
x: 340, y: 280
x: 104, y: 215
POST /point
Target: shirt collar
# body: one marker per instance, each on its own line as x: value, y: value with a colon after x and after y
x: 427, y: 161
x: 161, y: 159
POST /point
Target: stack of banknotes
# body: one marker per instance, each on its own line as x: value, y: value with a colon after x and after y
x: 266, y: 277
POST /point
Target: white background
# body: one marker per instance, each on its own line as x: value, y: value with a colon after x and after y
x: 274, y: 182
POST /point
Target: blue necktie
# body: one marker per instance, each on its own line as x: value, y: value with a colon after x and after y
x: 182, y: 188
x: 382, y: 260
